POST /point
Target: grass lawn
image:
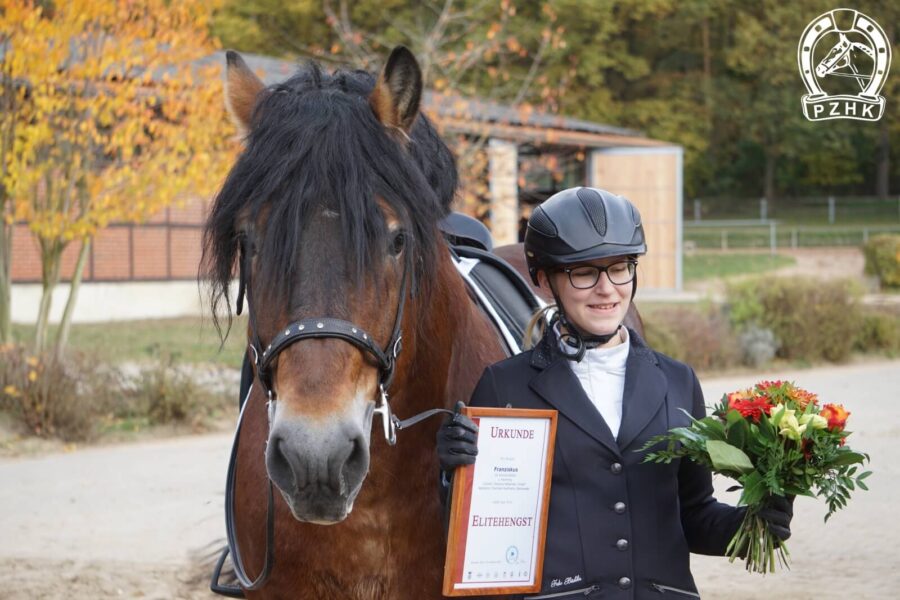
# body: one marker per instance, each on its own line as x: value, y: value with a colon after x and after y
x: 187, y: 339
x: 719, y: 265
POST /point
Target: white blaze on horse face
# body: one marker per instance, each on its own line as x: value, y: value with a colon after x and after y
x: 319, y: 463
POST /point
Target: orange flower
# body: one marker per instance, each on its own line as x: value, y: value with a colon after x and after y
x: 802, y: 398
x: 836, y: 415
x: 739, y: 395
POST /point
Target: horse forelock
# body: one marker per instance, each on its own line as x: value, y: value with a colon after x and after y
x: 316, y: 146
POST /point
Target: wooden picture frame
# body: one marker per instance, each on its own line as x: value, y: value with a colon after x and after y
x: 514, y: 472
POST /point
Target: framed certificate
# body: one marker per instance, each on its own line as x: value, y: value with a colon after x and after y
x: 498, y: 512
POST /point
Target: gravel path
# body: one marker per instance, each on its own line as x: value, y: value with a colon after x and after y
x: 138, y: 521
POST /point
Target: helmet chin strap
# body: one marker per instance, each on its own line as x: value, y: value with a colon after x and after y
x: 573, y: 336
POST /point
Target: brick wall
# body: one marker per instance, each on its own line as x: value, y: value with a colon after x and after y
x: 166, y: 247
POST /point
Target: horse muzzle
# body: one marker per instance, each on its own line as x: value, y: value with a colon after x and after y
x: 319, y: 465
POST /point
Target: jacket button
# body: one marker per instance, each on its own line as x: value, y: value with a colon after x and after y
x: 622, y: 545
x: 616, y: 468
x: 624, y: 583
x: 619, y: 507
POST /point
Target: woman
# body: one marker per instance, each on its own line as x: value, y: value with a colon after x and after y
x: 617, y: 527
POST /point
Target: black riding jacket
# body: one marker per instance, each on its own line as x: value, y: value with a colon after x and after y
x: 617, y: 528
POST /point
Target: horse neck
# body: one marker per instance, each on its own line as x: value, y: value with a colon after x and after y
x: 454, y: 341
x: 447, y: 344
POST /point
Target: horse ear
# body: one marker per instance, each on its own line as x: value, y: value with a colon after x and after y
x: 395, y: 99
x: 242, y: 90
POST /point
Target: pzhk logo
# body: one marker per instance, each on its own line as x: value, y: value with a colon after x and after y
x: 844, y: 59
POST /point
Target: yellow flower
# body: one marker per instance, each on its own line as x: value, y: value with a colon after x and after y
x: 32, y: 376
x: 790, y: 427
x: 11, y: 390
x: 814, y: 421
x: 32, y: 361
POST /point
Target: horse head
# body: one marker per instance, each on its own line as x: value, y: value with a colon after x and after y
x: 837, y: 57
x: 329, y: 214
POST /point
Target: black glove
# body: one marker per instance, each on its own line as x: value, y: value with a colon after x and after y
x: 456, y: 441
x: 777, y: 514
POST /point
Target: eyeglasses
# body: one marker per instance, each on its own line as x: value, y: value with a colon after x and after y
x: 584, y: 277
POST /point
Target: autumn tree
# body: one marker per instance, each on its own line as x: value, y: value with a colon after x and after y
x: 109, y: 116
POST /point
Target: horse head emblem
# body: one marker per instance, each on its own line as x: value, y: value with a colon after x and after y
x: 841, y: 56
x: 859, y: 40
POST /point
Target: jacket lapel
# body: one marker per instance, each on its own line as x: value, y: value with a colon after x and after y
x: 559, y: 387
x: 644, y: 393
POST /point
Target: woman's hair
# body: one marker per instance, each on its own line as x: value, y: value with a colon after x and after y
x: 537, y: 325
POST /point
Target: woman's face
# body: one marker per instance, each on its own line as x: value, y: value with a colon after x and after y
x: 598, y: 310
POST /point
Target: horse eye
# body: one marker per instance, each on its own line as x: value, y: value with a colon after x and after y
x: 398, y: 243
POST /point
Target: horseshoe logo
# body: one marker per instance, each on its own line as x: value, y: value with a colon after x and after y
x: 863, y: 38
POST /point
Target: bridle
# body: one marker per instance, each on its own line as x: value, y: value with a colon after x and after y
x: 263, y: 357
x: 327, y: 327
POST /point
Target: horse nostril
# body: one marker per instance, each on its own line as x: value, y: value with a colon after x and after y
x: 279, y: 466
x: 357, y: 463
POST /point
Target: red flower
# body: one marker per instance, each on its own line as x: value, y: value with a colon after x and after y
x: 765, y: 385
x: 751, y: 407
x: 806, y: 448
x: 836, y: 415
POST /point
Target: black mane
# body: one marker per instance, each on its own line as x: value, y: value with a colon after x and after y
x: 315, y: 143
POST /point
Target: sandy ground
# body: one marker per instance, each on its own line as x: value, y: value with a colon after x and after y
x: 141, y: 520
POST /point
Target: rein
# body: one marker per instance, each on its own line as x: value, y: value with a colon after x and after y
x: 308, y: 328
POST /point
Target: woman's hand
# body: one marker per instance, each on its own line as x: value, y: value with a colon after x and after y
x: 456, y: 441
x: 777, y: 514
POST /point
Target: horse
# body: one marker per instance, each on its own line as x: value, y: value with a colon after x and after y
x: 330, y: 214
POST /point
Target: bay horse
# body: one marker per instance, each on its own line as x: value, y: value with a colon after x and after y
x: 331, y: 211
x: 331, y: 214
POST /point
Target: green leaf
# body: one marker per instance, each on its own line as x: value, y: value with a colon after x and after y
x: 766, y: 429
x: 726, y: 457
x: 737, y: 429
x: 847, y: 458
x: 754, y: 489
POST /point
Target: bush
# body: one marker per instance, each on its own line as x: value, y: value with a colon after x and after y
x: 879, y: 331
x: 882, y: 254
x: 74, y: 397
x: 54, y: 397
x: 812, y: 319
x: 699, y: 337
x: 165, y: 394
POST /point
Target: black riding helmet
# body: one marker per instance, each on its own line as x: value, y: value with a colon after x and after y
x: 579, y: 225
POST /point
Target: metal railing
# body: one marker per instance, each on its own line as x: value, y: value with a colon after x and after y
x: 754, y: 233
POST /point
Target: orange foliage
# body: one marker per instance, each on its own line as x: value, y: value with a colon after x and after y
x: 107, y: 115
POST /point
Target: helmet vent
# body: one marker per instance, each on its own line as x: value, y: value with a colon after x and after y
x: 541, y: 223
x: 593, y: 206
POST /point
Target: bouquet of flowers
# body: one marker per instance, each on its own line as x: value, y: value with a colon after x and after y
x: 774, y: 439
